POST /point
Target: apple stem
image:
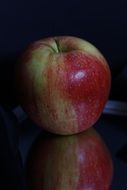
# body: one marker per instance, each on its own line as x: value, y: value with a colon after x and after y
x: 58, y: 46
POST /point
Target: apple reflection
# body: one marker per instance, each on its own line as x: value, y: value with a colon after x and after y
x: 76, y: 162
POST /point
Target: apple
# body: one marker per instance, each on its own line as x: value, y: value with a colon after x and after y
x: 63, y: 84
x: 76, y: 162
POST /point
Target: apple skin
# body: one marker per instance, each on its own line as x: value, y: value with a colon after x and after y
x: 76, y: 162
x: 63, y: 84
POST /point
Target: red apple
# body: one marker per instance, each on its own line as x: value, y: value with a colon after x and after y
x: 63, y: 84
x: 77, y: 162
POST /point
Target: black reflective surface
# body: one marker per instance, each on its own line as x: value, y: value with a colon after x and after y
x: 114, y: 132
x: 17, y: 139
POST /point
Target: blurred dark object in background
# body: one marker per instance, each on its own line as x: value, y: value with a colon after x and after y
x: 7, y: 84
x: 122, y: 153
x: 11, y: 170
x: 119, y: 85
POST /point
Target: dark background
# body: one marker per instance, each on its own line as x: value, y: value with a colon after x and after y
x: 103, y: 23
